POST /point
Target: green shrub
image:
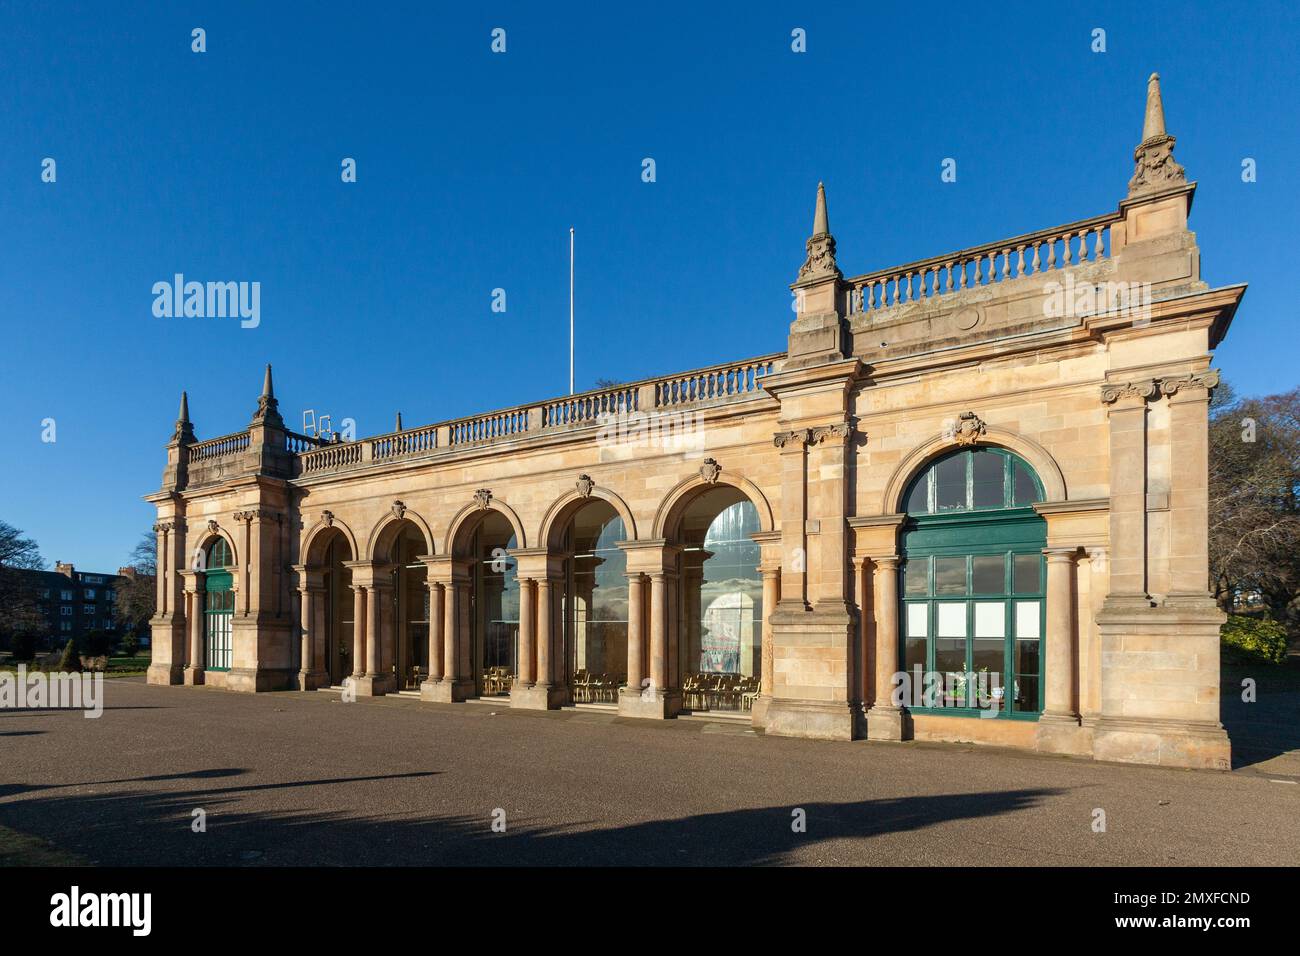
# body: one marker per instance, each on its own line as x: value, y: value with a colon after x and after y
x: 98, y: 643
x: 131, y: 644
x: 70, y: 661
x: 1254, y: 638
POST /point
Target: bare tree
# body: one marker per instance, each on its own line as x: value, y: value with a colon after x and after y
x: 137, y: 595
x: 19, y: 614
x: 1255, y: 500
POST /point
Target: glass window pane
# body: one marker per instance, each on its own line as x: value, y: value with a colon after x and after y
x: 918, y: 620
x: 916, y: 576
x: 988, y: 657
x: 913, y: 658
x: 1025, y: 492
x: 990, y: 619
x: 988, y: 574
x: 952, y: 619
x: 1027, y: 619
x: 950, y: 484
x: 987, y: 479
x: 950, y: 575
x: 1028, y: 574
x: 918, y: 499
x: 950, y: 655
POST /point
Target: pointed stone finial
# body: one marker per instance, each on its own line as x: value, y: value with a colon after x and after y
x: 184, y: 432
x: 1154, y: 156
x: 267, y: 406
x: 820, y: 262
x: 398, y: 426
x: 1154, y: 123
x: 821, y: 223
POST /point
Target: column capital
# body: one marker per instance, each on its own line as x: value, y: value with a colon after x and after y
x: 885, y: 560
x: 793, y: 440
x: 1129, y: 394
x: 1195, y: 387
x: 1061, y: 554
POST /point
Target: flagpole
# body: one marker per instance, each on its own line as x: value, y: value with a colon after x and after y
x: 570, y: 310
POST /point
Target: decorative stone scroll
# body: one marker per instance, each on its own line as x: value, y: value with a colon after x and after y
x: 970, y: 428
x: 1208, y: 380
x: 823, y: 432
x: 1143, y: 388
x: 799, y: 437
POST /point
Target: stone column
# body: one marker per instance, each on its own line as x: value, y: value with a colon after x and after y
x: 1128, y: 474
x: 885, y: 719
x: 865, y: 658
x: 307, y: 626
x: 830, y: 505
x: 451, y: 633
x: 545, y: 633
x: 436, y: 639
x: 526, y: 676
x: 658, y: 631
x: 374, y: 614
x: 635, y: 631
x: 1058, y: 649
x: 794, y: 516
x: 771, y: 595
x: 1189, y: 542
x: 358, y: 630
x: 196, y: 665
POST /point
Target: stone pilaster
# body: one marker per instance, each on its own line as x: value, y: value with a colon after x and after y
x: 195, y: 660
x: 454, y: 680
x: 312, y: 672
x: 168, y: 626
x: 886, y: 720
x: 660, y: 697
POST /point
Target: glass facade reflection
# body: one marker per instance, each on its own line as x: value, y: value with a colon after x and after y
x: 495, y: 610
x: 595, y: 605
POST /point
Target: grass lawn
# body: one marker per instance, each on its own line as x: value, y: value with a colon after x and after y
x: 20, y: 849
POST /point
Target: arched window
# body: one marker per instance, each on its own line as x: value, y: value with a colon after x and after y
x: 595, y: 604
x: 973, y: 586
x: 218, y: 606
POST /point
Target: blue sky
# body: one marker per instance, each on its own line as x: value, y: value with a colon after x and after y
x: 471, y: 167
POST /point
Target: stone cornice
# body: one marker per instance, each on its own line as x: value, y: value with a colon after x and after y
x: 1149, y: 388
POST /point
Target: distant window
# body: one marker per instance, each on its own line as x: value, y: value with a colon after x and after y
x: 66, y: 611
x: 45, y: 592
x: 87, y: 609
x: 65, y: 625
x: 90, y: 594
x: 111, y: 594
x: 93, y: 579
x: 65, y: 595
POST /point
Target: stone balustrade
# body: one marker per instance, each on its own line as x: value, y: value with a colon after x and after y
x: 1046, y: 250
x: 719, y: 382
x: 224, y: 447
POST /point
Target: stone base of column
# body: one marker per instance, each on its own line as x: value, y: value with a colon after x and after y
x: 649, y: 703
x: 1200, y: 745
x: 886, y: 722
x: 813, y: 719
x: 374, y: 685
x: 192, y: 677
x: 537, y: 697
x: 1062, y: 734
x: 165, y: 674
x: 758, y: 713
x: 311, y: 680
x: 446, y: 691
x: 256, y: 680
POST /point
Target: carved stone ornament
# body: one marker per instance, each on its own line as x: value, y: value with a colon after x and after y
x: 1208, y: 380
x: 482, y: 498
x: 821, y: 258
x: 797, y: 437
x: 328, y: 518
x: 162, y: 527
x: 585, y: 484
x: 970, y: 429
x: 710, y: 470
x: 823, y: 432
x: 1143, y: 388
x: 212, y: 525
x: 1155, y: 166
x: 399, y: 509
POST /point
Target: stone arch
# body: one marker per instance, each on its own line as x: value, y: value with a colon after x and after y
x: 567, y: 505
x: 467, y: 518
x: 205, y: 542
x: 316, y: 538
x: 386, y: 530
x: 677, y: 500
x: 1037, y: 457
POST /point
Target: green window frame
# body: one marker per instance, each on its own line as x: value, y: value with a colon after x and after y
x: 972, y: 582
x: 218, y: 607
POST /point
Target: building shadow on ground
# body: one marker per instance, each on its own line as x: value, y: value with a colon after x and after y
x: 156, y: 828
x: 1268, y: 727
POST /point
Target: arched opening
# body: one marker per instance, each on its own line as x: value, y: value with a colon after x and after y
x: 218, y: 606
x: 339, y: 605
x: 494, y: 605
x: 405, y: 619
x: 973, y: 589
x: 595, y: 605
x: 720, y: 618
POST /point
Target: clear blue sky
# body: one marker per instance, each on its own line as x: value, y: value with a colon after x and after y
x: 472, y: 166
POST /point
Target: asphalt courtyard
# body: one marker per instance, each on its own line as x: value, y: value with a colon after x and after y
x: 305, y: 778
